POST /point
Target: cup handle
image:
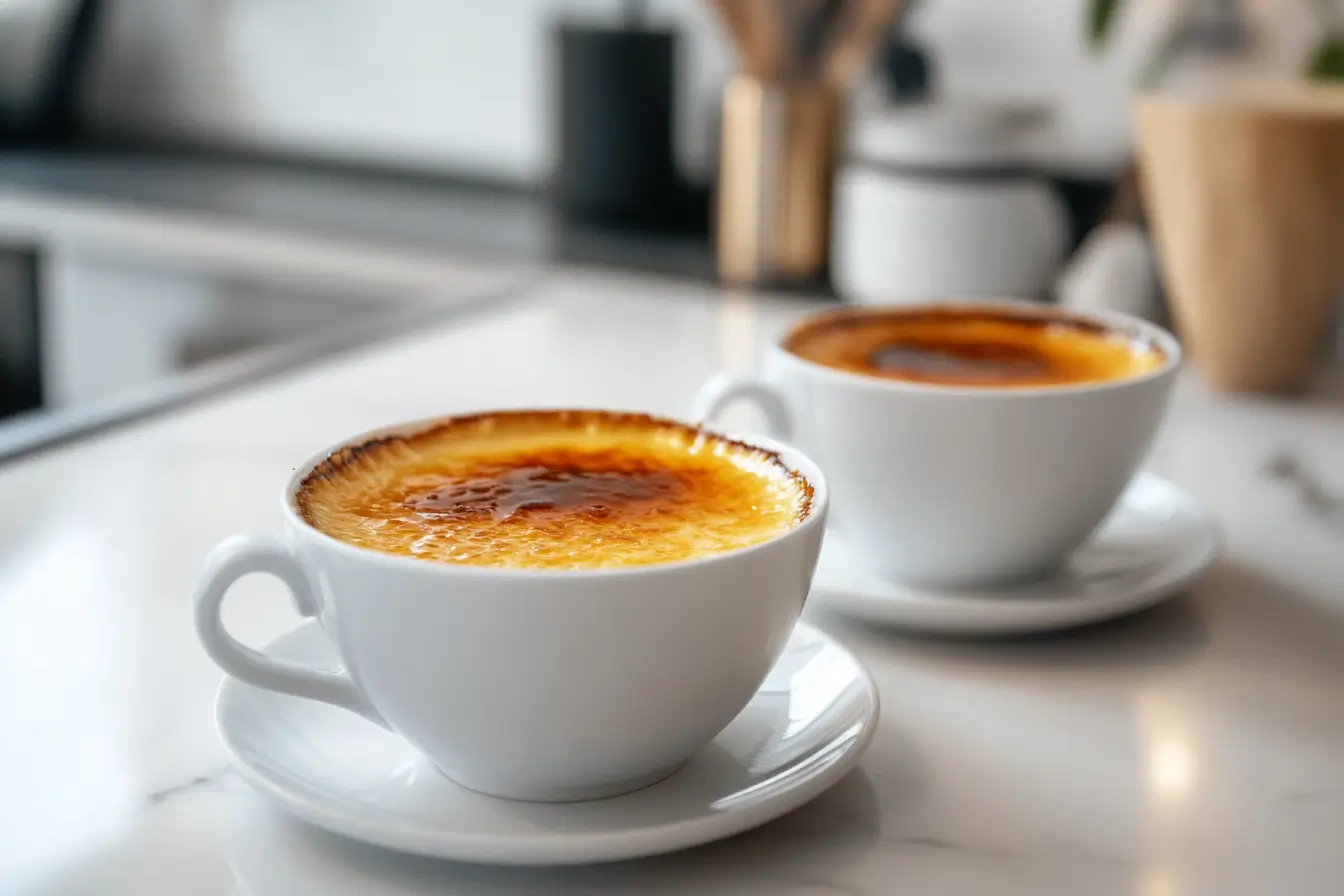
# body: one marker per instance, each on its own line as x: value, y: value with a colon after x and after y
x: 234, y: 558
x: 722, y: 389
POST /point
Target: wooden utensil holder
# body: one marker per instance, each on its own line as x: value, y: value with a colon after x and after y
x: 774, y: 192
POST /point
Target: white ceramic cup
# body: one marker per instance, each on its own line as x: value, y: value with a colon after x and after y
x: 529, y: 684
x: 959, y: 487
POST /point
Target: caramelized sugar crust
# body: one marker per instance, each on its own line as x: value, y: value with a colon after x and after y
x: 973, y: 347
x: 554, y: 490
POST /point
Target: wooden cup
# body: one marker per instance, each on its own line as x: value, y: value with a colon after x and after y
x: 1246, y: 203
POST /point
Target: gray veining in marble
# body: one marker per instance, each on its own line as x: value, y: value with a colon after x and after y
x: 194, y: 785
x: 1317, y: 500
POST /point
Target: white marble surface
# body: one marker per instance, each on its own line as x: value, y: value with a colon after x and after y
x: 1195, y: 749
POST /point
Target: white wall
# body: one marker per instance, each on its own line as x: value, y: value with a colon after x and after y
x: 464, y: 85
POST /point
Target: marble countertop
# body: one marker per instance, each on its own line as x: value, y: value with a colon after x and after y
x: 1194, y: 749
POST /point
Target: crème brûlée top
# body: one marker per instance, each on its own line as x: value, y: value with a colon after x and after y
x: 974, y: 347
x: 554, y: 490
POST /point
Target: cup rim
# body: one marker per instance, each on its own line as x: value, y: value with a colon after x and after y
x: 1163, y: 338
x: 790, y: 456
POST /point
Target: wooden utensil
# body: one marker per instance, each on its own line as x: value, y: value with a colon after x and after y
x: 857, y: 30
x: 769, y: 41
x: 734, y: 16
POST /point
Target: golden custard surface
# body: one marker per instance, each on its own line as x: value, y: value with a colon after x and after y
x: 554, y: 490
x: 973, y: 348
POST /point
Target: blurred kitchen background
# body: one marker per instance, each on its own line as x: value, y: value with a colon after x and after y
x: 463, y: 88
x: 195, y: 192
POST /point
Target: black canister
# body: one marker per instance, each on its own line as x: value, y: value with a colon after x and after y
x: 613, y: 130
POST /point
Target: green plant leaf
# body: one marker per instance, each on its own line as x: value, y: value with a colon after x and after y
x: 1104, y: 14
x: 1327, y: 63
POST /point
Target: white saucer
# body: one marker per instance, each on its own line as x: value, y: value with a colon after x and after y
x: 1155, y: 544
x: 805, y: 728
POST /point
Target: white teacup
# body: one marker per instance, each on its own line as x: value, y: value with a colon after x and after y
x: 529, y: 684
x: 962, y: 486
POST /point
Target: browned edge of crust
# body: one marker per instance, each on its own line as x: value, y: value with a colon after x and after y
x: 341, y: 458
x: 845, y: 318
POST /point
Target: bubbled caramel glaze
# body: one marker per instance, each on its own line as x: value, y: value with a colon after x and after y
x: 973, y: 346
x: 553, y: 490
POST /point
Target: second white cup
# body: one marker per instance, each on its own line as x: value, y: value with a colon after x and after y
x: 957, y: 486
